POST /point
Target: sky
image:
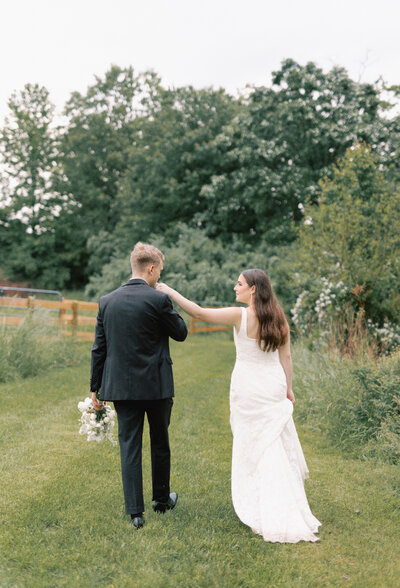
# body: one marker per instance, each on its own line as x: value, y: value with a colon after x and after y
x: 63, y: 44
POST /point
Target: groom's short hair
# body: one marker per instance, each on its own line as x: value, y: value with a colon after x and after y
x: 143, y: 255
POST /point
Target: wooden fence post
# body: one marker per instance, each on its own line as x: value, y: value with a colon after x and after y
x: 62, y: 312
x: 75, y: 310
x: 31, y: 305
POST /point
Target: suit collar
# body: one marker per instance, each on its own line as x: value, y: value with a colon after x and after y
x: 134, y: 281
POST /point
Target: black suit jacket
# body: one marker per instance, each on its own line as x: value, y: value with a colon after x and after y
x: 130, y: 354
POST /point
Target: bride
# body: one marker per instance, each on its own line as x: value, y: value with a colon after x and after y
x: 268, y: 465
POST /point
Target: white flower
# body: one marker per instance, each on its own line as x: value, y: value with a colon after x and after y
x: 94, y: 429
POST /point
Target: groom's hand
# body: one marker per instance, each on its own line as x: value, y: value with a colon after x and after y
x: 97, y: 405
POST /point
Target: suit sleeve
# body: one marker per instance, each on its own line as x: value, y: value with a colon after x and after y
x: 172, y: 322
x: 99, y: 354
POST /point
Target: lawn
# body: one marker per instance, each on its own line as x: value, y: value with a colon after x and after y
x: 62, y: 514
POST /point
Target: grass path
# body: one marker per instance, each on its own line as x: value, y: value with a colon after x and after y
x: 62, y: 516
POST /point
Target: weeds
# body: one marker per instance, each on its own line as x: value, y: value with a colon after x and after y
x: 354, y: 402
x: 35, y: 346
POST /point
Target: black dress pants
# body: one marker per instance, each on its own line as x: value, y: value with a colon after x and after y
x: 130, y: 415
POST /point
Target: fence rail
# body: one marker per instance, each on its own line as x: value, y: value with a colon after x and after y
x: 70, y: 313
x: 193, y: 328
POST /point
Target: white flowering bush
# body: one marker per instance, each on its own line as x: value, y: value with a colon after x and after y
x: 96, y: 424
x: 327, y: 310
x: 319, y: 305
x: 387, y: 335
x: 298, y: 313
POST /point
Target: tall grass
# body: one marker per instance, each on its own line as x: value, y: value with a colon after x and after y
x: 349, y: 335
x: 61, y: 500
x: 35, y: 346
x: 346, y: 330
x: 354, y: 402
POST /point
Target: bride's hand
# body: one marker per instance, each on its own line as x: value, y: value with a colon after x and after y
x: 290, y: 395
x: 163, y: 288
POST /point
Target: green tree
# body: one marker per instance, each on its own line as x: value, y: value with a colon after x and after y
x: 171, y: 160
x: 29, y: 204
x: 102, y: 126
x: 202, y: 268
x: 272, y: 156
x: 352, y: 236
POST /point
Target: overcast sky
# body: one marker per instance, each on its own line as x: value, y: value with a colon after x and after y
x: 62, y: 44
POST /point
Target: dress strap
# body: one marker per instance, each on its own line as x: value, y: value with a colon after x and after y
x: 243, y: 325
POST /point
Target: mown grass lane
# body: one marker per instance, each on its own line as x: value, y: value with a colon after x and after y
x: 62, y: 515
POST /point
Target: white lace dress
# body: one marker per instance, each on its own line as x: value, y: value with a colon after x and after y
x: 268, y: 465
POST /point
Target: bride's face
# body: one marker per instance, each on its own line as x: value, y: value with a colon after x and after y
x: 243, y: 290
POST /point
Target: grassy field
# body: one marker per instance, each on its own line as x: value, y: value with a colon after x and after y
x: 62, y: 514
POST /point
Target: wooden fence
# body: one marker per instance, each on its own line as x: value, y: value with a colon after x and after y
x: 71, y: 314
x: 193, y: 328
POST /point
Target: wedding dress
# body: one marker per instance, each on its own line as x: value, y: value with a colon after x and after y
x: 268, y: 465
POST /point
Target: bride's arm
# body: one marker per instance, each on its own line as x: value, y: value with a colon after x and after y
x: 286, y: 362
x: 221, y: 316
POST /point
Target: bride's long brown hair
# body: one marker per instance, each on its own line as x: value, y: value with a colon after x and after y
x: 273, y: 328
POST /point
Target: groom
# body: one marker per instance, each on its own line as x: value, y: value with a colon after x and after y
x: 131, y: 365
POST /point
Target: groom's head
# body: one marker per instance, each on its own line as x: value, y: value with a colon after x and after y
x: 147, y: 263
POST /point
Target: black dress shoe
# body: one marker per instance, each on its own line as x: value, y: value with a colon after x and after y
x: 137, y: 520
x: 163, y: 506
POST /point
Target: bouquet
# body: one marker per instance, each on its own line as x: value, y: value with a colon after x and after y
x: 96, y: 424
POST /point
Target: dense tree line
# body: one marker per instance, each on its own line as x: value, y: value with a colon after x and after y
x: 220, y: 182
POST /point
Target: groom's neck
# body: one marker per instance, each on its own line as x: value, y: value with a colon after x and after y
x: 138, y: 277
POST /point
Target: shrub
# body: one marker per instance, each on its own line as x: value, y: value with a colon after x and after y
x: 201, y: 268
x: 326, y: 312
x: 318, y: 305
x: 33, y: 347
x: 352, y: 235
x: 347, y: 254
x: 355, y: 403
